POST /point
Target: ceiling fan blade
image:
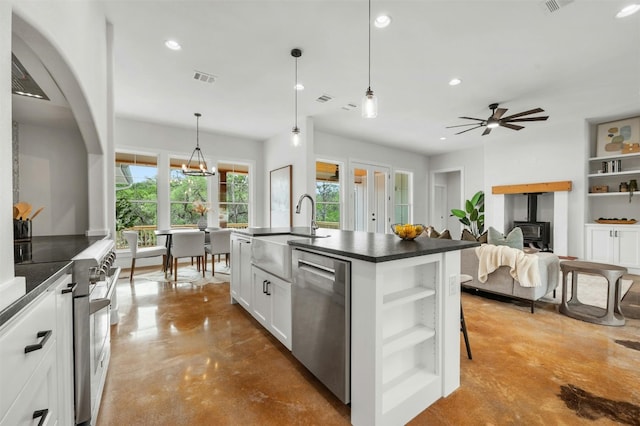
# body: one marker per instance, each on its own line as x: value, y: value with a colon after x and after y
x: 511, y: 126
x: 461, y: 125
x: 473, y: 128
x: 520, y: 114
x: 471, y: 118
x: 486, y: 131
x: 525, y: 119
x: 499, y: 113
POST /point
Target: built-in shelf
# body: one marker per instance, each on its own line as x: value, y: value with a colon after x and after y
x: 624, y: 172
x: 405, y: 339
x: 402, y: 387
x: 612, y: 194
x: 405, y: 296
x: 615, y: 157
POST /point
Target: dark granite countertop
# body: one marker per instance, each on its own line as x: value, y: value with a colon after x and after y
x: 367, y: 246
x: 39, y: 276
x: 42, y: 261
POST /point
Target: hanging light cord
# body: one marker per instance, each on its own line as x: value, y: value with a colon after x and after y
x: 369, y: 25
x: 295, y: 89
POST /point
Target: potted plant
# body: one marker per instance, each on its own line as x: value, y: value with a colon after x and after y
x: 473, y: 215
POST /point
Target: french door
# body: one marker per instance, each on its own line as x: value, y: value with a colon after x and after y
x: 370, y: 204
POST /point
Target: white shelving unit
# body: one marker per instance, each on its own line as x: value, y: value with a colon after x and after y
x: 614, y: 203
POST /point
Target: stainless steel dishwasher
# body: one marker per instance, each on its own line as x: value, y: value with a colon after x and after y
x: 321, y: 319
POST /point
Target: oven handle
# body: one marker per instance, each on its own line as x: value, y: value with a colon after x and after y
x: 97, y: 304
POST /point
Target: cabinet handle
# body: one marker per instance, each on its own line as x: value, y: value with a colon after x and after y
x: 71, y: 287
x: 264, y: 286
x: 42, y: 414
x: 268, y: 282
x: 610, y: 233
x: 615, y: 233
x: 41, y: 334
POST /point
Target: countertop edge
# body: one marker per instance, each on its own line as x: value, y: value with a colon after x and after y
x: 17, y: 306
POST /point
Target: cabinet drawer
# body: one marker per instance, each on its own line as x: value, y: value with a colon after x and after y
x: 21, y: 332
x: 39, y: 394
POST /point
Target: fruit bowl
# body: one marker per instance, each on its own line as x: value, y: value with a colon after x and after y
x: 407, y: 231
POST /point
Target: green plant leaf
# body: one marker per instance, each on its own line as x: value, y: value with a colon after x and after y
x: 469, y: 207
x: 465, y: 221
x: 477, y: 198
x: 473, y: 217
x: 458, y: 213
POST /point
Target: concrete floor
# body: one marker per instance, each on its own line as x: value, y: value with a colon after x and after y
x: 182, y: 355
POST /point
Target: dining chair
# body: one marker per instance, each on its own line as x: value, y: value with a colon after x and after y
x: 219, y: 243
x: 187, y: 244
x: 142, y: 252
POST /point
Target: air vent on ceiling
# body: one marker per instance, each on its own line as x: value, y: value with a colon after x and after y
x: 551, y: 6
x: 204, y: 77
x: 349, y: 107
x: 22, y: 83
x: 324, y: 98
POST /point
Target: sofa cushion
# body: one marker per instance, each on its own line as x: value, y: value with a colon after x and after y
x: 514, y: 239
x: 468, y: 236
x: 432, y: 233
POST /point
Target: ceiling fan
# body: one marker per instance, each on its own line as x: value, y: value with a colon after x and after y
x: 496, y: 119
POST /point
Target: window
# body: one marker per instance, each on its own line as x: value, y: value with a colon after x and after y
x: 136, y: 196
x: 233, y: 195
x: 403, y: 206
x: 328, y: 195
x: 183, y: 192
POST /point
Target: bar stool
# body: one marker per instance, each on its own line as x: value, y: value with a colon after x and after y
x: 573, y: 308
x: 463, y: 325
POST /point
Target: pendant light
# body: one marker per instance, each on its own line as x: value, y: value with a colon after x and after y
x: 295, y: 132
x: 370, y: 101
x: 197, y: 166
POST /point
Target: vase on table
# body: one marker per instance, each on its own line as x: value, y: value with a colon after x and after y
x: 202, y: 223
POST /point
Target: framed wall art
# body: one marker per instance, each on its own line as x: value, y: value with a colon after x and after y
x: 618, y: 137
x: 280, y: 197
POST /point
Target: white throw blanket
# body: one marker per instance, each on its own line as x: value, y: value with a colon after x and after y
x: 523, y: 266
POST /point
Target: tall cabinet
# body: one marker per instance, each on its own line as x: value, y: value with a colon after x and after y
x: 611, y: 232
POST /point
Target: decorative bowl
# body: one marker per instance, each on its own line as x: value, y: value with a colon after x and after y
x: 407, y: 231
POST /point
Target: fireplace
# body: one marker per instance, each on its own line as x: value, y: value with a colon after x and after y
x: 536, y: 234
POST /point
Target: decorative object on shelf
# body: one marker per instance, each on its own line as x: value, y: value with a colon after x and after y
x: 599, y: 188
x: 630, y: 148
x: 633, y: 186
x: 295, y: 132
x: 473, y: 215
x: 197, y: 166
x: 623, y: 187
x: 614, y: 221
x: 370, y: 101
x: 612, y: 166
x: 613, y: 137
x: 407, y: 231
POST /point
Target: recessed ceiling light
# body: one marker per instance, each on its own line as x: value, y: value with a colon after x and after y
x: 454, y: 82
x: 299, y: 86
x: 173, y: 45
x: 382, y: 21
x: 628, y: 10
x: 443, y: 138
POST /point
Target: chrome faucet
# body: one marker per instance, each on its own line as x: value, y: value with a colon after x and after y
x: 314, y: 225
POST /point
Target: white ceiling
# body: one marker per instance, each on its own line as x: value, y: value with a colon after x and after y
x: 576, y: 62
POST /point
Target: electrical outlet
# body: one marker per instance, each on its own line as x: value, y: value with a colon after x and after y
x: 454, y: 285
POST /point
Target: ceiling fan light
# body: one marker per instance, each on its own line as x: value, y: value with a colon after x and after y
x: 628, y: 10
x: 493, y: 124
x: 369, y: 104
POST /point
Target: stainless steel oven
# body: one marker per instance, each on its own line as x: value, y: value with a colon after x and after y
x: 93, y: 300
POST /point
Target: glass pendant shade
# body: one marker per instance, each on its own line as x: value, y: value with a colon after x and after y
x: 369, y: 105
x: 295, y: 136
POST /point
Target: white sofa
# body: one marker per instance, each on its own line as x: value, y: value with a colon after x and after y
x: 501, y: 282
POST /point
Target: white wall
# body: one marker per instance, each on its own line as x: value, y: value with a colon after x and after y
x: 144, y: 137
x: 339, y: 148
x: 279, y: 152
x: 53, y: 175
x: 6, y: 166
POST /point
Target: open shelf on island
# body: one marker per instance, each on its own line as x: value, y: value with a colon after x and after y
x: 405, y: 339
x: 406, y: 296
x: 402, y: 387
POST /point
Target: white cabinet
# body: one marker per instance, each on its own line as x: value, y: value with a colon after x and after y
x: 241, y: 270
x: 618, y: 245
x: 34, y: 346
x: 271, y: 304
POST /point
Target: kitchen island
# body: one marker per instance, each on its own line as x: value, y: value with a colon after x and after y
x: 404, y: 318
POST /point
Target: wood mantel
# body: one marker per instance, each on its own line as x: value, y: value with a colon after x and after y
x: 524, y: 188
